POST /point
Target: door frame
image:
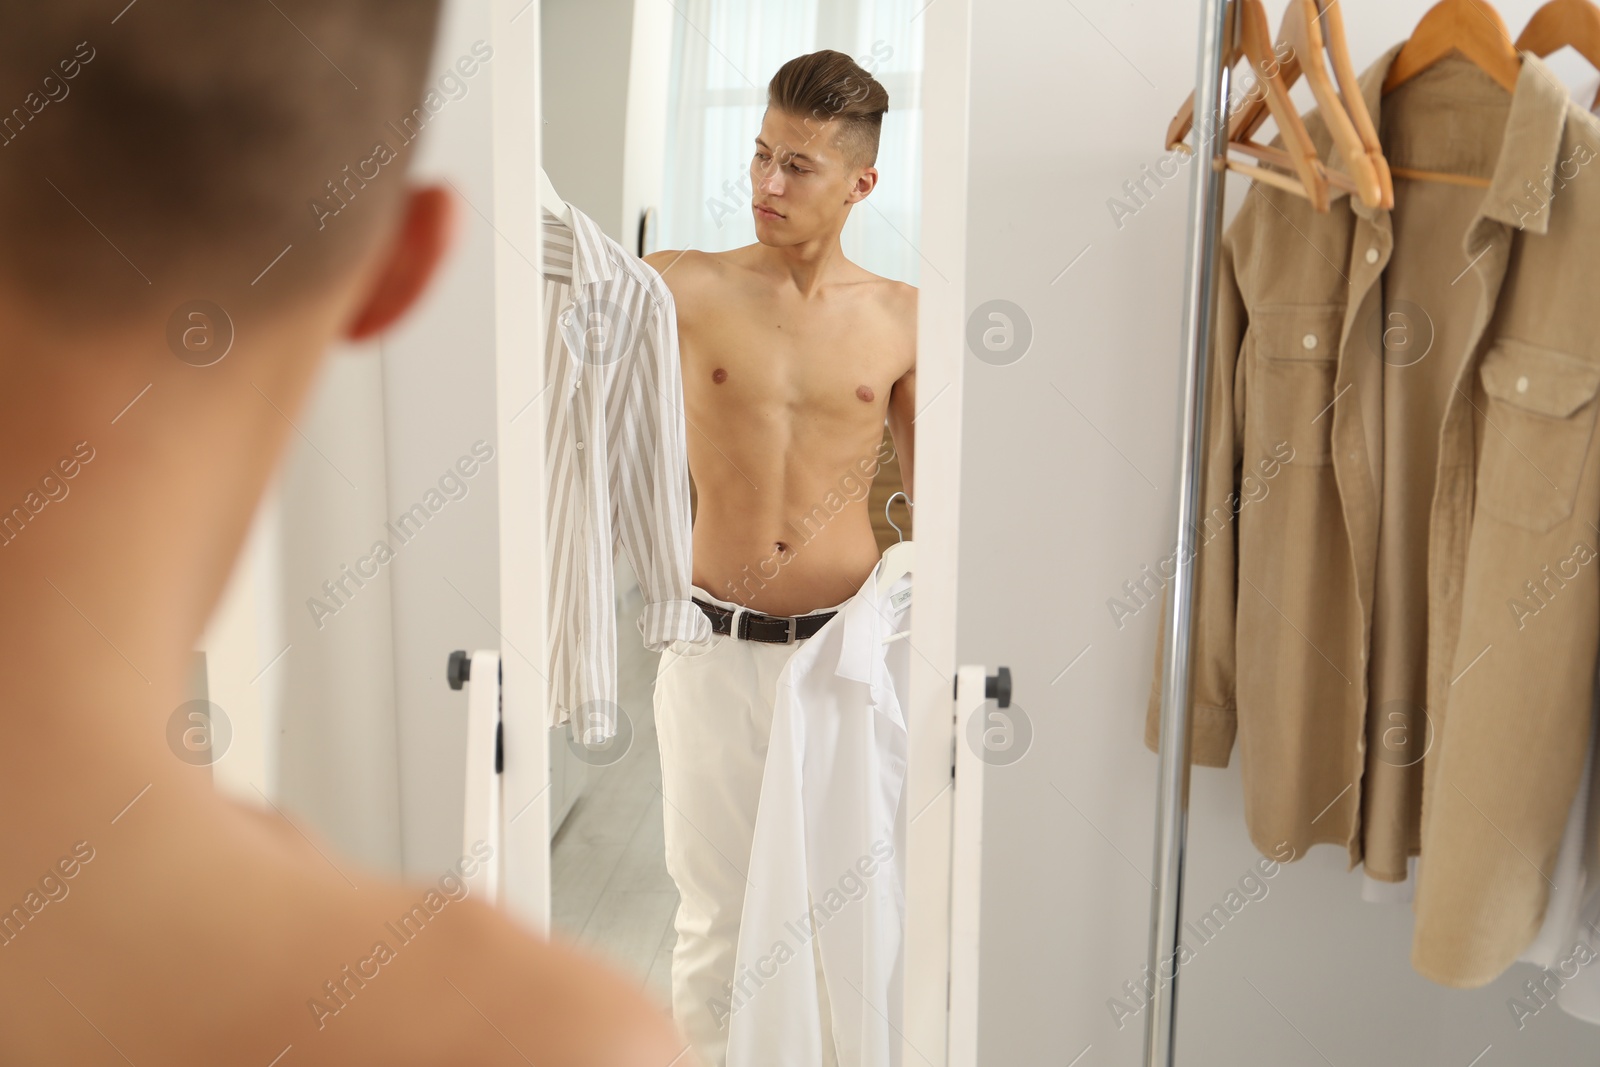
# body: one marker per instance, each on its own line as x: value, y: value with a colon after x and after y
x: 941, y: 897
x: 516, y: 142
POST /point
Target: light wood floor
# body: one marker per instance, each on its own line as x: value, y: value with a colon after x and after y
x: 609, y: 882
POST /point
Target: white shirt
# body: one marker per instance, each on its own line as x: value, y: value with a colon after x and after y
x: 616, y: 465
x: 830, y: 843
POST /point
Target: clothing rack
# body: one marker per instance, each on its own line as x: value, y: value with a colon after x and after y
x: 1172, y: 796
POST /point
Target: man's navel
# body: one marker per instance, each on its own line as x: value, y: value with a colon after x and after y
x: 719, y: 375
x: 865, y: 393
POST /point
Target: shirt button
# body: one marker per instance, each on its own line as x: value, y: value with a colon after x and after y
x: 580, y: 446
x: 1372, y: 255
x: 1522, y: 384
x: 1309, y: 340
x: 576, y: 382
x: 566, y: 318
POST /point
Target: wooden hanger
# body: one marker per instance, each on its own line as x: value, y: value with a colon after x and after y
x: 1348, y: 120
x: 1562, y: 23
x: 1249, y: 38
x: 1472, y: 28
x: 1356, y: 102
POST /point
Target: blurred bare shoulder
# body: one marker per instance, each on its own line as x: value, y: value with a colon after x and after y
x: 553, y: 998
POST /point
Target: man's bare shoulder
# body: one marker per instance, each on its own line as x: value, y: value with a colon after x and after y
x: 896, y: 296
x: 904, y: 297
x: 688, y: 273
x: 896, y: 307
x: 664, y: 260
x: 697, y: 279
x: 687, y: 266
x: 898, y: 301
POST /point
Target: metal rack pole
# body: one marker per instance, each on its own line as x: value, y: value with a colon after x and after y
x: 1172, y: 799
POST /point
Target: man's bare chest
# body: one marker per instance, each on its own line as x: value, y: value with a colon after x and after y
x: 817, y: 360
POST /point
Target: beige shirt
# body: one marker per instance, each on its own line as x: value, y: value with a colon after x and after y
x: 1402, y: 635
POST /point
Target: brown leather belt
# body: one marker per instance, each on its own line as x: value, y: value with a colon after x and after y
x: 756, y: 626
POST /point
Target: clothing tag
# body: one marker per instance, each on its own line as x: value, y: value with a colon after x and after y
x: 900, y: 599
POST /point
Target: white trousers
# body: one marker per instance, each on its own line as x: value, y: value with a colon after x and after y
x: 713, y: 710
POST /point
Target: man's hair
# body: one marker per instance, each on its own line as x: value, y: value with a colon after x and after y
x: 828, y: 85
x: 164, y: 147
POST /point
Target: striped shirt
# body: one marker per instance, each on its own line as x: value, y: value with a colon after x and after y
x: 616, y: 466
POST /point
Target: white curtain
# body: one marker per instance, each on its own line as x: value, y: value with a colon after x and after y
x: 724, y: 54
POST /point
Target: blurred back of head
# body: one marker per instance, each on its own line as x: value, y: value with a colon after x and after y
x: 170, y: 149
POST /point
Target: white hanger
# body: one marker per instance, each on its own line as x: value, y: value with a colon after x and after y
x: 551, y: 200
x: 897, y: 561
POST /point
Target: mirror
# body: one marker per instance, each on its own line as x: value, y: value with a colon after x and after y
x: 790, y: 346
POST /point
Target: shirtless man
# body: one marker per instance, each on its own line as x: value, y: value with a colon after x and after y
x: 158, y: 156
x: 793, y: 357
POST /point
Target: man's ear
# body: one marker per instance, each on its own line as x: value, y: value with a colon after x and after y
x: 409, y: 263
x: 866, y: 181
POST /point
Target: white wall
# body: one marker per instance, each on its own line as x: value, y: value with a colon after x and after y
x: 334, y: 687
x: 585, y: 50
x: 1061, y: 502
x: 606, y: 65
x: 644, y: 152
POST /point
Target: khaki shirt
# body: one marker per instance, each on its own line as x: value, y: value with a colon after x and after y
x: 1401, y: 629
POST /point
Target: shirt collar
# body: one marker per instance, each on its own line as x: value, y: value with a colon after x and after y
x: 592, y: 255
x: 1529, y: 148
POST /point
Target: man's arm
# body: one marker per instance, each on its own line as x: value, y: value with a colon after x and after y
x: 903, y: 401
x: 902, y: 410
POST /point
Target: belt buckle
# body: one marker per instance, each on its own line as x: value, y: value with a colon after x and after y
x: 790, y: 638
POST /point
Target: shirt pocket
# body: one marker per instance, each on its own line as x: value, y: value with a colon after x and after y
x: 1296, y: 349
x: 1539, y: 418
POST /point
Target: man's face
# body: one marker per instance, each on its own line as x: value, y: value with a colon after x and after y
x: 801, y: 181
